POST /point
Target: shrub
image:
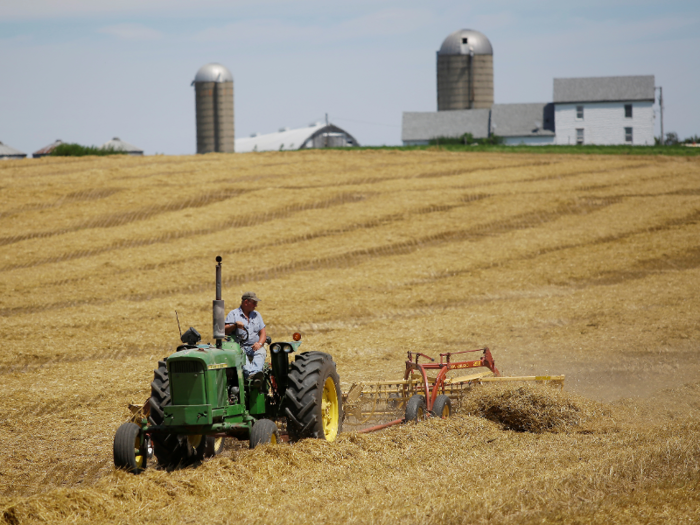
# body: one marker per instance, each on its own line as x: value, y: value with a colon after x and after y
x: 77, y: 150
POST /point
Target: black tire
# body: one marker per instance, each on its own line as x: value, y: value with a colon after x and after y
x: 415, y: 408
x: 264, y: 432
x: 442, y: 406
x: 129, y: 449
x: 170, y: 449
x: 313, y: 403
x: 214, y: 446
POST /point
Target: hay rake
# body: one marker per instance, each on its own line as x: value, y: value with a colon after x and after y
x: 370, y: 406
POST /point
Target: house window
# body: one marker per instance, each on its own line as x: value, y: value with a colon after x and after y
x: 579, y: 112
x: 628, y: 110
x: 579, y: 135
x: 628, y: 135
x: 464, y: 41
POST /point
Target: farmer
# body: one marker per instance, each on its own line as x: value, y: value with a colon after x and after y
x: 246, y: 318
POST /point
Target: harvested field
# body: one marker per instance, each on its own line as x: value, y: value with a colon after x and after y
x: 587, y: 266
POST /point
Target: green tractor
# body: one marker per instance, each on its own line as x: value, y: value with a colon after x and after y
x: 199, y: 397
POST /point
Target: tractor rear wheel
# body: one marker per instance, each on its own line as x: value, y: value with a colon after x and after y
x: 442, y: 406
x: 264, y: 432
x: 129, y: 449
x: 313, y: 406
x: 415, y: 408
x: 169, y: 449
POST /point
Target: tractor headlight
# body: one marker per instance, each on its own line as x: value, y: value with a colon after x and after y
x: 287, y: 348
x: 276, y: 348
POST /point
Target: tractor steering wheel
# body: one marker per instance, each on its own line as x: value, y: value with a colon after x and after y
x: 241, y: 334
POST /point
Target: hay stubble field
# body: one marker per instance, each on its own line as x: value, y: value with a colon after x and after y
x: 583, y: 265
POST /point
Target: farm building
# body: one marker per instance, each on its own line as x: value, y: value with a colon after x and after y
x: 119, y: 145
x: 8, y: 152
x: 602, y: 110
x: 316, y: 135
x: 46, y: 150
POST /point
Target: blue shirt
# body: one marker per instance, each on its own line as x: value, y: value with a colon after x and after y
x: 254, y: 325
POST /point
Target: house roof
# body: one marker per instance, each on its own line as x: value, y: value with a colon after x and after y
x: 46, y: 150
x: 519, y: 120
x: 287, y: 139
x: 9, y: 151
x: 434, y: 124
x: 603, y: 89
x: 119, y: 145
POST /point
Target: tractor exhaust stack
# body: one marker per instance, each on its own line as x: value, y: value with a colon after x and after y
x: 218, y: 307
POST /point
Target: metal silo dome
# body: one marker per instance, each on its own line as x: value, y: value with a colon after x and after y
x: 213, y: 89
x: 213, y: 73
x: 465, y: 71
x: 464, y: 41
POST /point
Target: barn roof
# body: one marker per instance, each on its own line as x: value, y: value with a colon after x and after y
x: 8, y: 151
x: 287, y: 139
x: 427, y: 125
x: 519, y: 120
x: 604, y: 89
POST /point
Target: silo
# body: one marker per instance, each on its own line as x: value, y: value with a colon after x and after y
x: 465, y: 71
x: 213, y: 88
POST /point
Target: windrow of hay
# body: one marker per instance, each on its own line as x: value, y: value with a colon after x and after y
x: 530, y: 408
x: 452, y: 471
x: 586, y: 266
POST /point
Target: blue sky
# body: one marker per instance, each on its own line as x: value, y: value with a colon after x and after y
x: 88, y: 70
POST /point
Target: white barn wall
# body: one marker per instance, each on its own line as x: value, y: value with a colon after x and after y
x: 605, y: 123
x: 529, y: 141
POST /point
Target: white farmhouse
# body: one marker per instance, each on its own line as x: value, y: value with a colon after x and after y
x: 604, y: 110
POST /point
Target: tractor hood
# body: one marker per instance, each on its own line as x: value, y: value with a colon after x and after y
x: 212, y: 358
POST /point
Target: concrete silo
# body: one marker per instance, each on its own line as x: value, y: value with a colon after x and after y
x: 465, y: 71
x: 213, y: 88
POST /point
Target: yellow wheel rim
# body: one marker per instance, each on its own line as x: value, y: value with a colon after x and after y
x: 138, y: 457
x: 329, y: 410
x: 195, y: 440
x: 273, y: 439
x: 217, y: 443
x: 420, y: 414
x: 446, y: 410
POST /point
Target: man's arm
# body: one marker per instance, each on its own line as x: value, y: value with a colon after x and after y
x: 228, y: 328
x: 263, y: 336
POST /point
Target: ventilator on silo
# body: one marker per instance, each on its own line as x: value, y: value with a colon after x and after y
x: 465, y: 71
x: 213, y: 88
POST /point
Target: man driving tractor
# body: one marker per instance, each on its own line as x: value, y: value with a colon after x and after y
x: 245, y: 319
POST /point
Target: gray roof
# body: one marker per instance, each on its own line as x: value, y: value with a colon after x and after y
x: 465, y: 40
x: 434, y: 124
x: 519, y: 120
x: 119, y: 145
x: 8, y: 151
x: 213, y: 73
x: 604, y: 89
x: 288, y: 139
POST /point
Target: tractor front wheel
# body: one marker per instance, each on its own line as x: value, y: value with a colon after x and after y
x: 313, y: 407
x: 213, y: 447
x: 415, y: 408
x: 264, y: 432
x: 130, y: 449
x: 442, y: 406
x: 169, y: 449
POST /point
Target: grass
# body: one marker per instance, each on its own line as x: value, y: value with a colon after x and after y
x: 675, y: 151
x: 584, y: 265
